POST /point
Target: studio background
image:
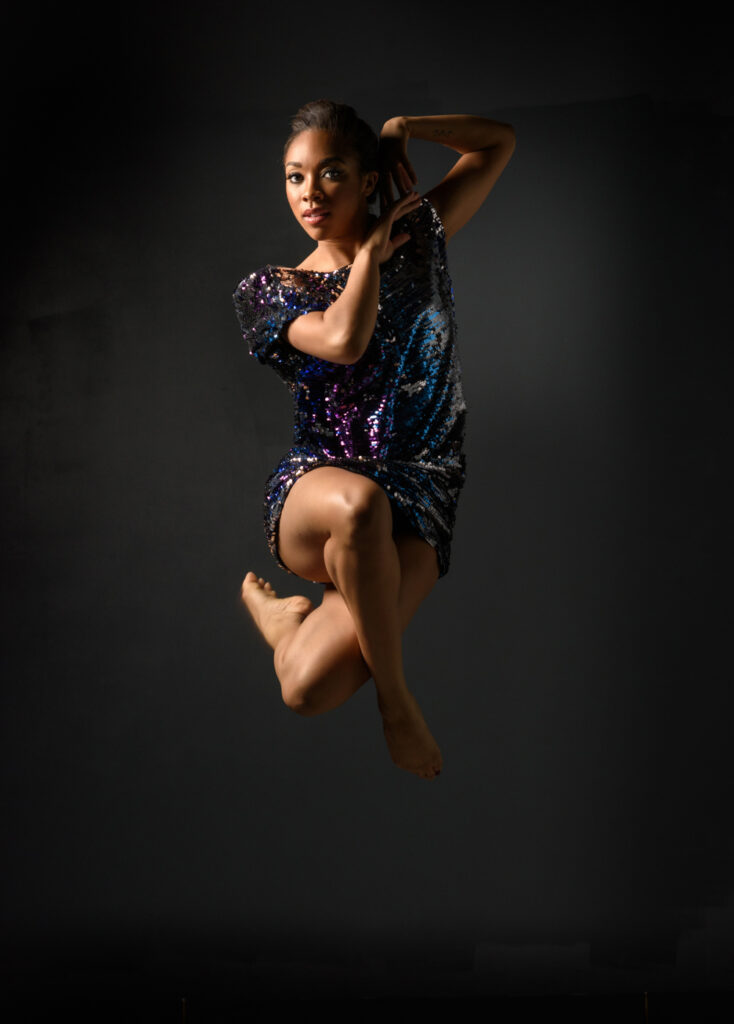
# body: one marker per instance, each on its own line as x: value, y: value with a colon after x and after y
x: 169, y: 826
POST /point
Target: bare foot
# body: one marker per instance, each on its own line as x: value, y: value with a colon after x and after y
x: 274, y: 616
x: 409, y: 739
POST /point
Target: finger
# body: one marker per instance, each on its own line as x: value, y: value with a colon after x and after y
x: 398, y: 181
x: 406, y: 179
x: 410, y: 195
x: 409, y: 201
x: 403, y: 206
x: 401, y: 179
x: 399, y: 240
x: 386, y: 193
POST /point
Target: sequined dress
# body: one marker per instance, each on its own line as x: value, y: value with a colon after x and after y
x: 397, y: 415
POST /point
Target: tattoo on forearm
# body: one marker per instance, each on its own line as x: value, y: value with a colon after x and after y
x: 443, y: 132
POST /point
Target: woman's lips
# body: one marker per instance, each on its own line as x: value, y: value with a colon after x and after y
x: 315, y: 216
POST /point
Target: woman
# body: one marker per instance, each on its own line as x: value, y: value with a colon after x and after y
x: 363, y: 333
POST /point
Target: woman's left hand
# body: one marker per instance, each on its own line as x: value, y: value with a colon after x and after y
x: 380, y: 240
x: 395, y: 167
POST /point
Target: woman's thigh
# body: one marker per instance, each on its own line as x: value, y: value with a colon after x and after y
x: 317, y: 504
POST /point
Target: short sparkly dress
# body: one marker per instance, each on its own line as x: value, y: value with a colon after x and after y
x: 397, y: 415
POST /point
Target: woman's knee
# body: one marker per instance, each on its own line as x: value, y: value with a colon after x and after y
x: 299, y: 682
x: 314, y: 695
x: 363, y: 511
x: 303, y: 702
x: 313, y: 680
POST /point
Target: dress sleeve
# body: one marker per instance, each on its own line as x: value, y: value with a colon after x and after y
x: 427, y: 234
x: 432, y: 222
x: 264, y: 313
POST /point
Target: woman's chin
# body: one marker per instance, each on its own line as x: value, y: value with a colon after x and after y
x: 315, y: 231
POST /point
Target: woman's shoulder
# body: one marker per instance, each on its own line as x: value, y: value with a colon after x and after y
x: 425, y: 214
x: 259, y: 301
x: 424, y: 225
x: 270, y: 282
x: 264, y: 309
x: 268, y: 298
x: 426, y: 245
x: 264, y: 290
x: 254, y: 284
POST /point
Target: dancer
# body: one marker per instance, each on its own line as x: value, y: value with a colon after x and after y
x: 363, y: 333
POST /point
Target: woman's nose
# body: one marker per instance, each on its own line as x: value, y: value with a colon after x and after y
x: 311, y: 188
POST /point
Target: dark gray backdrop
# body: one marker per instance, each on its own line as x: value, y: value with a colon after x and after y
x: 168, y: 824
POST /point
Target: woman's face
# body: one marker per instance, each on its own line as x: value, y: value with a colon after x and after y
x: 325, y: 187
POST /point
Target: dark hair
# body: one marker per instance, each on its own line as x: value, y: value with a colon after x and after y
x: 342, y: 121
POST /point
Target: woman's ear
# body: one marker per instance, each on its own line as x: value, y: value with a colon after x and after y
x: 369, y: 183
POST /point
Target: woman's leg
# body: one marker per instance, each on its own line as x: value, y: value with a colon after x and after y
x: 336, y: 527
x: 317, y: 655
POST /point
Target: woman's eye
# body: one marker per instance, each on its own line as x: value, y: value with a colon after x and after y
x: 295, y: 177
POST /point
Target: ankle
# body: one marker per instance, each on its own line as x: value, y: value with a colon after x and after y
x: 396, y: 703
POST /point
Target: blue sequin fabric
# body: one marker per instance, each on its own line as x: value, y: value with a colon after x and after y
x: 398, y: 414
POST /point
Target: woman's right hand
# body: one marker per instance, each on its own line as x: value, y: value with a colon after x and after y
x: 379, y: 240
x: 395, y: 167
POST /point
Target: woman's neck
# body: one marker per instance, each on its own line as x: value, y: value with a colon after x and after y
x: 334, y: 253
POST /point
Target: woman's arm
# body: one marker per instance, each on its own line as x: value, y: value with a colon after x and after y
x: 342, y: 332
x: 485, y: 147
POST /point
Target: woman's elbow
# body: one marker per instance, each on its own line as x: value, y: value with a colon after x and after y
x: 346, y: 354
x: 504, y: 136
x: 346, y: 347
x: 318, y: 335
